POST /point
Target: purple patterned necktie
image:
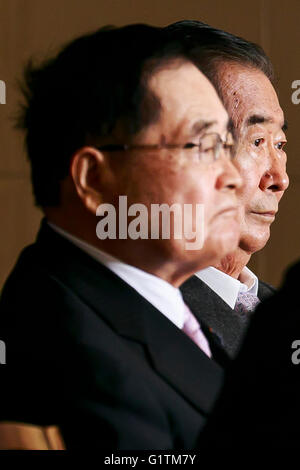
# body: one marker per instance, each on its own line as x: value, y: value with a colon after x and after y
x: 192, y: 328
x: 246, y: 302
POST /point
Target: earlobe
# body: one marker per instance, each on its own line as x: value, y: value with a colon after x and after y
x: 85, y: 170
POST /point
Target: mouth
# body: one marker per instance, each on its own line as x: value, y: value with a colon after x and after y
x: 267, y: 215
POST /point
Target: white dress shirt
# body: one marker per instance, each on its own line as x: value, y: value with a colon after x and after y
x: 226, y: 286
x: 162, y: 295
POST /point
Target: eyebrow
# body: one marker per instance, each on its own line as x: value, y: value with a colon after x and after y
x: 259, y: 119
x: 200, y: 126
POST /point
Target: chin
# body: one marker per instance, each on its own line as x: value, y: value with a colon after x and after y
x: 252, y: 242
x: 224, y: 245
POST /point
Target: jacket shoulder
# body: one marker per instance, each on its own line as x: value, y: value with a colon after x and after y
x: 265, y: 290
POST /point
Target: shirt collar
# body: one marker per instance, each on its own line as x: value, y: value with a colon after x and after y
x: 227, y: 287
x: 162, y: 295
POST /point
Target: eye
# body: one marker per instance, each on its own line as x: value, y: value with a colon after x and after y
x: 257, y: 142
x: 190, y: 145
x: 280, y: 145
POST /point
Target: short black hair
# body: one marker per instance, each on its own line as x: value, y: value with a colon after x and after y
x: 95, y: 82
x: 209, y: 47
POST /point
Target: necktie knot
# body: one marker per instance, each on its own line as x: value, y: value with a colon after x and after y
x: 246, y: 302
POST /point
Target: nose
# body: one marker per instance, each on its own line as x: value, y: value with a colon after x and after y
x: 229, y: 179
x: 275, y: 177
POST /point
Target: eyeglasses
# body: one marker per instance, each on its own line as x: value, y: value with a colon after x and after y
x: 209, y: 147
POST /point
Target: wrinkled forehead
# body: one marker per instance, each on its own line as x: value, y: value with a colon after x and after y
x: 247, y: 93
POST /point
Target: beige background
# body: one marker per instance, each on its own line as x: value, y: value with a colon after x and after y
x: 38, y: 27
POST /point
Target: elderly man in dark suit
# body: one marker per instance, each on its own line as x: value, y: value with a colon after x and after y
x: 259, y: 405
x: 226, y: 293
x: 98, y: 338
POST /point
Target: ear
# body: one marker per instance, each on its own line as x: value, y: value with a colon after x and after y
x: 87, y: 168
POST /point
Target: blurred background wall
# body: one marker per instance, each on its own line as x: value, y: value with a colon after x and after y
x: 38, y: 27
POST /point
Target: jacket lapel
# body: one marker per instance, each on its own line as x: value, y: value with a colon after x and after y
x: 210, y: 311
x: 264, y: 290
x: 172, y: 354
x: 216, y: 316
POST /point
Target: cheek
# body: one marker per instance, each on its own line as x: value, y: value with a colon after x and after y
x: 147, y: 181
x: 187, y: 183
x: 169, y: 181
x: 250, y: 172
x: 198, y: 186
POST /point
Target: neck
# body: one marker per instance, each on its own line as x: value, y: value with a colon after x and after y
x: 234, y: 263
x: 142, y: 255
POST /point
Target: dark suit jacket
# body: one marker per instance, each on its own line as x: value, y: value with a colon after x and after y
x: 260, y: 404
x: 227, y: 324
x: 85, y: 351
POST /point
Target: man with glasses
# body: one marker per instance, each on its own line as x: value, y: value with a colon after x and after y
x: 99, y: 340
x: 226, y: 293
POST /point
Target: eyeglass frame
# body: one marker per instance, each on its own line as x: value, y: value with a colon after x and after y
x: 189, y: 145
